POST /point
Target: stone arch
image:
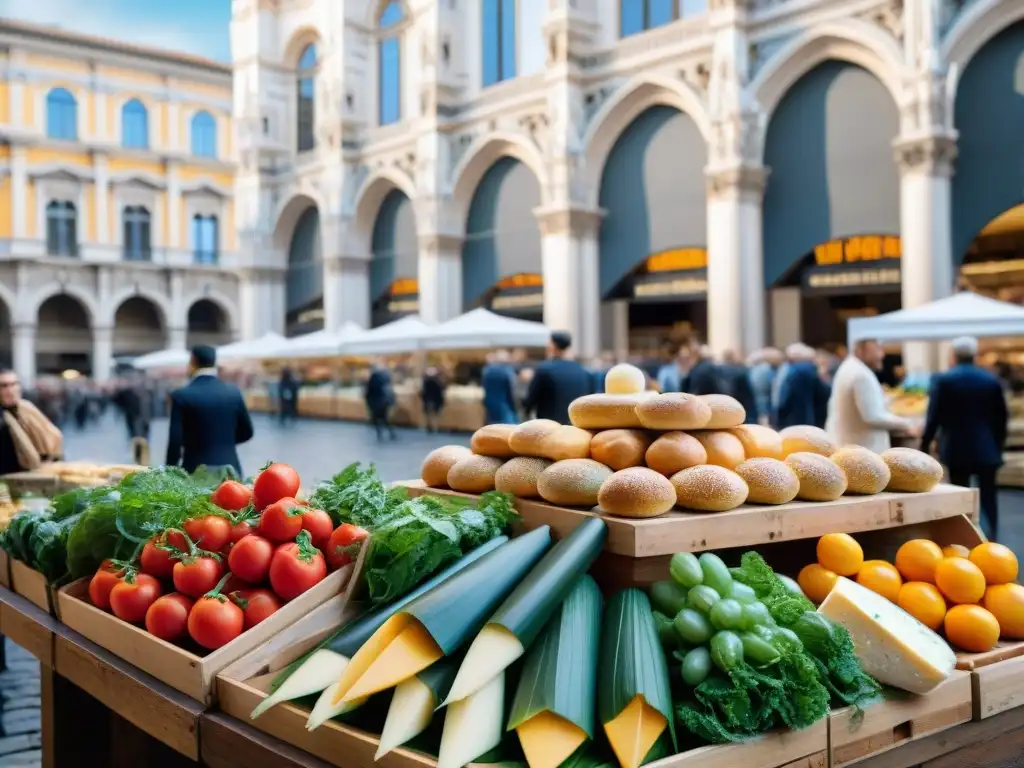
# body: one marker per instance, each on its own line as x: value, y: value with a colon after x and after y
x: 370, y: 197
x: 144, y: 327
x: 394, y: 261
x: 207, y: 321
x: 227, y: 306
x: 30, y: 308
x: 297, y: 42
x: 974, y: 27
x: 63, y: 318
x: 620, y: 111
x: 481, y: 156
x: 287, y: 215
x: 159, y: 301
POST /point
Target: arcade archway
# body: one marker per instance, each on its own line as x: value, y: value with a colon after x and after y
x: 394, y: 267
x: 63, y: 336
x: 304, y: 288
x: 138, y: 328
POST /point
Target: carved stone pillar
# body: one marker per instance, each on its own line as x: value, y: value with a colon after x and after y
x: 346, y: 292
x: 261, y: 300
x: 440, y: 277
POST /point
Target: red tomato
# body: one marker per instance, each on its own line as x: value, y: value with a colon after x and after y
x: 241, y: 529
x: 319, y: 525
x: 344, y: 544
x: 232, y: 495
x: 102, y: 582
x: 215, y: 621
x: 167, y: 618
x: 256, y: 604
x: 129, y: 601
x: 233, y: 584
x: 282, y: 520
x: 156, y: 561
x: 176, y: 539
x: 296, y: 567
x: 276, y: 482
x: 210, y: 532
x: 198, y: 575
x: 250, y: 559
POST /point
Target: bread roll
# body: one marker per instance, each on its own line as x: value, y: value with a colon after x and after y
x: 624, y: 379
x: 723, y: 447
x: 518, y: 476
x: 726, y: 411
x: 550, y: 440
x: 759, y: 441
x: 492, y: 440
x: 620, y: 448
x: 674, y: 410
x: 434, y: 471
x: 709, y: 489
x: 605, y: 411
x: 807, y: 439
x: 573, y: 482
x: 637, y: 492
x: 474, y: 474
x: 821, y: 479
x: 674, y: 451
x: 770, y: 481
x: 866, y: 472
x: 911, y: 470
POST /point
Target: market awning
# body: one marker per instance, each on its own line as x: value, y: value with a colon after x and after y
x: 963, y: 314
x: 322, y: 343
x: 482, y: 329
x: 164, y: 358
x: 402, y: 335
x: 249, y: 350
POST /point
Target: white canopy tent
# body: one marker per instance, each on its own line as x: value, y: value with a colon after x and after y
x: 248, y: 350
x: 963, y: 314
x: 321, y: 343
x: 397, y: 337
x: 482, y: 329
x: 165, y: 358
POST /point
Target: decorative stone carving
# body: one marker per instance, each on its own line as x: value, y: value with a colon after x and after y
x: 889, y: 17
x: 933, y: 155
x: 744, y: 182
x: 578, y: 222
x: 536, y: 125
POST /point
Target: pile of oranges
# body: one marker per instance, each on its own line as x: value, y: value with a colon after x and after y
x: 970, y: 594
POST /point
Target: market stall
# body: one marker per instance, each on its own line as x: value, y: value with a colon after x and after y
x: 165, y: 359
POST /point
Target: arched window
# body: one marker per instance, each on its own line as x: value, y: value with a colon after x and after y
x: 61, y: 115
x: 389, y: 64
x: 61, y: 229
x: 134, y: 125
x: 204, y: 239
x: 204, y: 135
x: 306, y: 86
x: 640, y: 15
x: 499, y: 18
x: 137, y: 234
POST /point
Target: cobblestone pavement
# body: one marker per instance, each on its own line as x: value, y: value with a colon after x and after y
x: 20, y: 738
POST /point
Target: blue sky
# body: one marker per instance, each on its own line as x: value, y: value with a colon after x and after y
x: 198, y: 27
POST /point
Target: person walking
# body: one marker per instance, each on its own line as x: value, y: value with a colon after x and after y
x: 209, y: 418
x: 857, y: 413
x: 557, y: 382
x: 498, y: 380
x: 288, y: 392
x: 735, y: 380
x: 432, y: 397
x: 673, y: 374
x: 134, y: 403
x: 764, y: 367
x: 802, y: 395
x: 380, y: 399
x: 27, y: 437
x: 967, y: 410
x: 704, y: 376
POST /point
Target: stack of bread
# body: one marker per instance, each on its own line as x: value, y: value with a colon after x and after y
x: 640, y: 454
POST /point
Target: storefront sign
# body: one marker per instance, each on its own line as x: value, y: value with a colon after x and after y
x: 677, y: 260
x: 310, y: 316
x: 405, y: 286
x: 521, y: 294
x: 883, y: 277
x: 671, y: 286
x: 858, y: 249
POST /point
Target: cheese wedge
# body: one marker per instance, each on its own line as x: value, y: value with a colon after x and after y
x: 892, y: 646
x: 548, y: 740
x: 493, y: 650
x: 634, y: 731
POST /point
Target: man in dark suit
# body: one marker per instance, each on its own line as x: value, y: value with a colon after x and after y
x: 735, y: 379
x: 208, y: 418
x: 967, y: 408
x: 380, y: 399
x: 703, y: 378
x: 557, y: 382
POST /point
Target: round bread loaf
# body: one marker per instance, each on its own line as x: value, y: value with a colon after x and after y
x: 866, y: 472
x: 620, y: 448
x: 912, y: 471
x: 434, y: 471
x: 550, y: 440
x: 674, y: 410
x: 821, y: 479
x: 492, y: 440
x: 674, y: 451
x: 723, y: 447
x: 759, y: 441
x: 518, y: 476
x: 573, y: 482
x: 474, y: 474
x: 624, y: 379
x: 806, y: 439
x: 709, y: 489
x: 605, y: 411
x: 637, y: 492
x: 770, y: 481
x: 726, y: 411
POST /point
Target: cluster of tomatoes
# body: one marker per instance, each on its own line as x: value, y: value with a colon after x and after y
x: 229, y: 571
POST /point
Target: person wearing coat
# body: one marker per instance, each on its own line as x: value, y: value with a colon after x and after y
x: 557, y: 382
x: 857, y: 412
x: 802, y: 395
x: 967, y: 411
x: 498, y: 380
x: 380, y: 399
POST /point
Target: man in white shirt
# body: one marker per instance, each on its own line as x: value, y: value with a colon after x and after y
x: 857, y: 412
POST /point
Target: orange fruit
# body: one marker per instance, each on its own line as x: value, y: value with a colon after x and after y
x: 1006, y: 603
x: 840, y: 553
x: 971, y: 628
x: 924, y: 602
x: 916, y: 560
x: 961, y: 581
x: 996, y: 561
x: 955, y: 550
x: 816, y: 581
x: 881, y: 577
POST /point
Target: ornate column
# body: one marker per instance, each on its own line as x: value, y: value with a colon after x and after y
x: 177, y: 337
x: 440, y: 277
x: 261, y: 301
x: 23, y: 338
x: 102, y: 353
x: 19, y: 193
x: 346, y: 291
x: 101, y: 190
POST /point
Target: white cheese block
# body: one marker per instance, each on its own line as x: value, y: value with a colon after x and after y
x: 892, y: 646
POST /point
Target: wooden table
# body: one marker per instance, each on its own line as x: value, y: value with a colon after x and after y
x: 98, y: 710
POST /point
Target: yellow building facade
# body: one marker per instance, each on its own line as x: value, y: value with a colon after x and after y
x: 117, y: 221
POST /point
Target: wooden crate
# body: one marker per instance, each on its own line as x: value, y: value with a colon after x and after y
x: 853, y: 737
x: 997, y: 677
x: 5, y: 569
x: 179, y: 668
x: 27, y: 625
x: 31, y: 585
